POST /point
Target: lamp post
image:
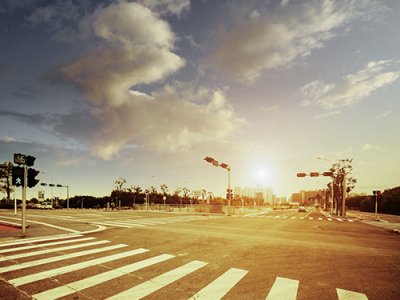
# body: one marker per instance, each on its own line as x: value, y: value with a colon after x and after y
x: 228, y: 168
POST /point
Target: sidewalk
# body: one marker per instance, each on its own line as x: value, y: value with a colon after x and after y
x: 389, y: 222
x: 11, y: 229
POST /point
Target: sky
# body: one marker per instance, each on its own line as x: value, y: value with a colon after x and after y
x: 144, y: 90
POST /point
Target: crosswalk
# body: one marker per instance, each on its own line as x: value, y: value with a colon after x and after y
x: 324, y: 218
x: 131, y: 223
x: 45, y: 283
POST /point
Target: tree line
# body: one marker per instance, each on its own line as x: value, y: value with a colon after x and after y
x: 389, y: 202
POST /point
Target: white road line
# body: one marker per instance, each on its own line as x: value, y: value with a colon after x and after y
x: 35, y: 263
x: 301, y: 218
x: 79, y: 285
x: 311, y: 218
x: 351, y: 221
x: 284, y: 217
x: 348, y: 295
x: 329, y: 219
x: 220, y: 286
x: 277, y: 217
x: 319, y: 219
x: 74, y: 267
x: 340, y: 220
x: 148, y: 287
x: 44, y: 245
x: 283, y: 289
x: 40, y: 240
x: 293, y: 217
x: 45, y: 251
x: 117, y: 224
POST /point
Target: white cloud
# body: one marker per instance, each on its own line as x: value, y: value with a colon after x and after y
x: 167, y: 7
x: 369, y: 147
x: 268, y: 42
x: 327, y: 115
x: 136, y: 48
x: 354, y: 88
x: 385, y: 114
x: 7, y: 139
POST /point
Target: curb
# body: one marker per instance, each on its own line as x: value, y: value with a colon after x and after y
x: 11, y: 224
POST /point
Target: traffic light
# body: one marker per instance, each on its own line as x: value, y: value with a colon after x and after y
x: 327, y: 173
x: 209, y: 159
x: 18, y: 176
x: 224, y: 165
x: 314, y: 174
x: 32, y: 181
x: 301, y: 174
x: 30, y: 160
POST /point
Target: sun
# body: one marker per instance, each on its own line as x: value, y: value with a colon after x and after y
x: 264, y: 176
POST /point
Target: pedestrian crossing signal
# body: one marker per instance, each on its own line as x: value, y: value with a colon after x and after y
x: 18, y: 176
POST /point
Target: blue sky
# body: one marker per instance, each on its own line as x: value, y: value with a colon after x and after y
x: 98, y: 90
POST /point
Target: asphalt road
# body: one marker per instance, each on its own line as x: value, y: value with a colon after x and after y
x: 273, y: 255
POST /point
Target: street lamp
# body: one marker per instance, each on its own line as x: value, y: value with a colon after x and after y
x: 228, y: 168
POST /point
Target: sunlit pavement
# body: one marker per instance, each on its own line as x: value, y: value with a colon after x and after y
x: 272, y: 254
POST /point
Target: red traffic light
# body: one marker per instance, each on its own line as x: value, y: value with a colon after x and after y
x: 327, y: 173
x: 314, y: 174
x: 301, y: 174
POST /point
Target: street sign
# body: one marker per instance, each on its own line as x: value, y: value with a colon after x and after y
x: 19, y: 159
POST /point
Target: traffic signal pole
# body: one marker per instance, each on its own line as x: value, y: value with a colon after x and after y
x: 24, y: 201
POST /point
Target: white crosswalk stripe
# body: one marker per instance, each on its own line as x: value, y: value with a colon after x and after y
x: 28, y: 241
x: 44, y: 251
x: 349, y: 295
x: 78, y: 266
x: 220, y: 286
x: 58, y: 258
x: 327, y: 218
x: 152, y: 285
x: 43, y: 245
x: 283, y: 289
x: 127, y: 223
x: 213, y: 287
x: 76, y: 286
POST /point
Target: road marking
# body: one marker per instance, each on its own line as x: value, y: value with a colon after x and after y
x: 340, y: 220
x: 284, y: 217
x: 351, y: 221
x: 348, y: 295
x: 301, y: 218
x: 148, y: 287
x: 74, y: 267
x: 311, y: 218
x: 79, y: 285
x: 58, y: 258
x: 319, y: 219
x: 45, y: 251
x: 277, y: 217
x: 293, y: 217
x: 329, y: 219
x: 220, y: 286
x: 117, y: 224
x: 283, y: 289
x: 40, y: 240
x: 43, y: 245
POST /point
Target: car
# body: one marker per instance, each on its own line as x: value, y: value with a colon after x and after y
x: 302, y: 209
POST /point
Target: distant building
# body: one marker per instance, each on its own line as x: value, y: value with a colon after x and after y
x: 260, y: 193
